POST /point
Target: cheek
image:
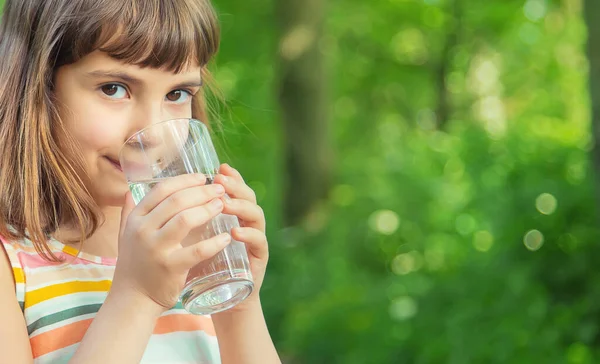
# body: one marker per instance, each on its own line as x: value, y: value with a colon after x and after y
x: 95, y: 134
x: 94, y: 127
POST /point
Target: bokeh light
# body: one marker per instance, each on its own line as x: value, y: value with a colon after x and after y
x: 296, y: 42
x: 546, y: 203
x: 533, y: 240
x: 568, y: 243
x: 579, y: 353
x: 483, y: 241
x: 534, y: 10
x: 410, y: 46
x: 484, y: 76
x: 490, y: 110
x: 384, y: 221
x: 465, y: 224
x: 406, y: 263
x: 227, y: 79
x: 576, y: 172
x: 403, y: 308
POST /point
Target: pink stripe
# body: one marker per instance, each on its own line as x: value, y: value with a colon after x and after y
x: 31, y: 258
x: 109, y: 261
x: 34, y: 260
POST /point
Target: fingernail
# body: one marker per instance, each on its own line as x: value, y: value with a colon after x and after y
x: 216, y: 204
x: 219, y: 188
x: 224, y: 238
x: 224, y: 178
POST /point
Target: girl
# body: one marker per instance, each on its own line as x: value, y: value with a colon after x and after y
x: 77, y: 78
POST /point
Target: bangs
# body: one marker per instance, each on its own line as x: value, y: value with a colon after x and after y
x: 169, y: 34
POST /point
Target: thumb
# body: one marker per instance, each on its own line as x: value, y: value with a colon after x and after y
x: 127, y: 208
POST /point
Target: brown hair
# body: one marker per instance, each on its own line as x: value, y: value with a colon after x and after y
x: 39, y: 184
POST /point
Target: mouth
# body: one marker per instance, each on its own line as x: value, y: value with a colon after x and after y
x: 115, y: 163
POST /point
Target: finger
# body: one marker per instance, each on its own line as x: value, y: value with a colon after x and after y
x: 180, y: 225
x: 127, y: 208
x: 235, y: 188
x: 183, y: 200
x: 255, y: 240
x: 252, y: 214
x: 186, y: 258
x: 229, y: 171
x: 167, y: 187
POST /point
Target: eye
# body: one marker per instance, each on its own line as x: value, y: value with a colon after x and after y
x: 114, y: 91
x: 178, y: 96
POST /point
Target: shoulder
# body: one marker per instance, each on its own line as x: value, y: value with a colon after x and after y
x: 12, y: 251
x: 13, y: 330
x: 11, y: 268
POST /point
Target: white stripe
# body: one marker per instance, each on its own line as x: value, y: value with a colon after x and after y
x: 61, y: 323
x: 177, y: 311
x: 68, y: 267
x: 44, y: 269
x: 20, y: 291
x: 62, y: 303
x: 61, y: 356
x: 31, y: 284
x: 174, y: 348
x: 182, y: 347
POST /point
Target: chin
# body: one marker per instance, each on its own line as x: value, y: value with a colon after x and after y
x: 113, y: 197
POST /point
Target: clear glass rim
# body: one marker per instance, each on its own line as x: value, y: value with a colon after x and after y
x: 189, y: 120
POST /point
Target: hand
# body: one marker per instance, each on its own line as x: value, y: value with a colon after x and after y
x: 152, y: 262
x: 242, y: 203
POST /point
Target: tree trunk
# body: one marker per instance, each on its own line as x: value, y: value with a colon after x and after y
x: 303, y: 102
x: 443, y: 109
x: 591, y: 10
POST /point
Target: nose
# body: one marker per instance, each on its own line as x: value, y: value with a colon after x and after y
x: 145, y: 115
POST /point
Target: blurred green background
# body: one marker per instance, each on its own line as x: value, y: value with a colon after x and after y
x: 459, y: 223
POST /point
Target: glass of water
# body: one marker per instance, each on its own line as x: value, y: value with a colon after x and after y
x: 171, y: 148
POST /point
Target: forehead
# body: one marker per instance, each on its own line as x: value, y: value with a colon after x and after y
x: 101, y: 61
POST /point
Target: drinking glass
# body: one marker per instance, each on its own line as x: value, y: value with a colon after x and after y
x: 171, y: 148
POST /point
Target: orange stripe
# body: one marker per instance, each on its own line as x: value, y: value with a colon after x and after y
x: 59, y: 338
x: 184, y: 322
x: 70, y: 250
x: 73, y: 333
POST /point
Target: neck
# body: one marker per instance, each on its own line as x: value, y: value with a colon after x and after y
x: 105, y: 240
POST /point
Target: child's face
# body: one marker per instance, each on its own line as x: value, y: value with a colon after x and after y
x: 103, y: 101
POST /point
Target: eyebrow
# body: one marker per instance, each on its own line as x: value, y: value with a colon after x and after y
x: 127, y: 78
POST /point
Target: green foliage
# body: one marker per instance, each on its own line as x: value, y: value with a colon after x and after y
x: 471, y: 243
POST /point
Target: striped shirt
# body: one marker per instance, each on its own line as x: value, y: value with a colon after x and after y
x: 60, y: 300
